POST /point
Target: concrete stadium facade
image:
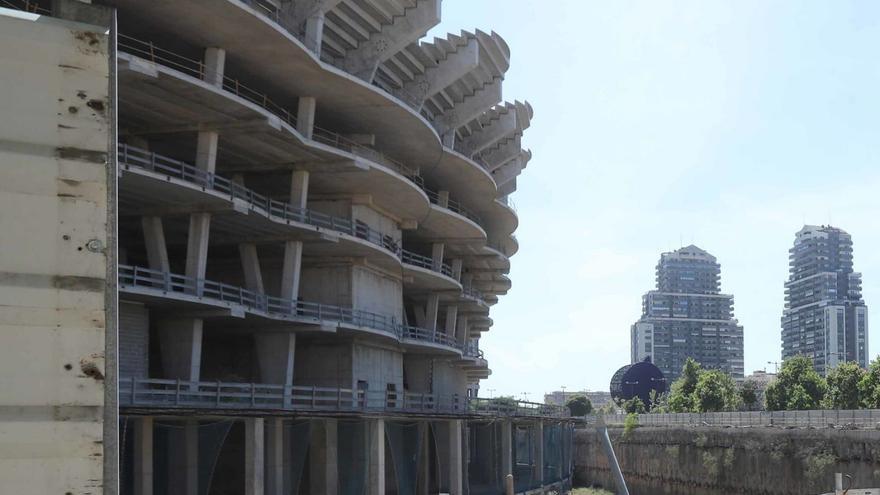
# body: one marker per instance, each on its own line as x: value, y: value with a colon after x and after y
x: 313, y: 223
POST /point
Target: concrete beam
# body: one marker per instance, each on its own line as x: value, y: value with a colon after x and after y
x: 505, y: 125
x: 363, y: 61
x: 376, y: 472
x: 275, y: 356
x: 455, y: 66
x: 143, y: 455
x: 323, y: 457
x: 154, y: 242
x: 469, y: 108
x: 250, y: 264
x: 254, y: 468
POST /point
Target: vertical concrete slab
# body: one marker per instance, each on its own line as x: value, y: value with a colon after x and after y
x: 451, y: 319
x: 323, y: 457
x: 154, y: 242
x: 191, y: 456
x: 456, y: 268
x: 432, y: 311
x: 254, y: 468
x: 299, y: 189
x: 215, y: 63
x: 437, y: 256
x: 197, y: 245
x: 276, y: 464
x: 455, y: 457
x: 291, y: 270
x: 305, y: 116
x: 506, y: 447
x: 538, y: 445
x: 250, y: 264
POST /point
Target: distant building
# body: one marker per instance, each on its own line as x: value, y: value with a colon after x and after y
x: 825, y: 317
x: 761, y: 379
x: 558, y: 397
x: 687, y: 316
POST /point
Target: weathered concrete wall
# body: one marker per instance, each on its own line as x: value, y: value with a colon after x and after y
x: 58, y: 253
x: 716, y: 461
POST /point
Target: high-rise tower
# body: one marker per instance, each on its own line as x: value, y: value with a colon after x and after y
x: 825, y: 317
x: 687, y: 316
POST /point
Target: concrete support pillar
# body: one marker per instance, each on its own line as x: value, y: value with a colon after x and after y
x: 180, y: 341
x: 305, y: 116
x: 206, y: 150
x: 437, y: 256
x: 215, y: 64
x: 431, y: 312
x: 376, y: 472
x: 250, y: 264
x: 299, y: 189
x: 276, y: 464
x: 143, y: 456
x: 461, y: 328
x: 538, y: 455
x: 197, y: 245
x: 314, y: 33
x: 291, y: 270
x: 323, y: 458
x: 456, y: 268
x: 467, y: 280
x: 424, y: 463
x: 506, y: 447
x: 455, y: 460
x: 191, y: 456
x: 275, y: 353
x: 154, y: 241
x: 443, y: 199
x: 451, y: 317
x: 254, y: 450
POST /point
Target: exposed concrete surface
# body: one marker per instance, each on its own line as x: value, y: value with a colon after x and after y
x: 722, y: 461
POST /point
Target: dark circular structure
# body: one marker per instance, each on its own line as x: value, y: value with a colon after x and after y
x: 638, y: 380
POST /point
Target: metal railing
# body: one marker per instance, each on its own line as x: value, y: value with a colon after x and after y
x: 25, y: 5
x: 130, y: 156
x: 472, y: 293
x: 227, y: 395
x: 164, y: 393
x: 276, y: 307
x: 859, y: 418
x: 451, y: 205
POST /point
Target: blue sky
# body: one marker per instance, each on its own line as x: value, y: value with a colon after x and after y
x: 660, y: 123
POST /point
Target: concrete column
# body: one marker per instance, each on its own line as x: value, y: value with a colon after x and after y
x: 431, y: 312
x: 291, y: 270
x: 197, y: 245
x: 456, y: 268
x: 455, y: 460
x: 461, y: 327
x: 451, y: 317
x: 254, y: 469
x: 323, y: 458
x: 143, y: 456
x: 539, y: 452
x: 215, y: 64
x: 424, y: 463
x: 206, y: 150
x: 299, y: 189
x: 275, y: 458
x: 180, y: 341
x: 154, y: 241
x: 275, y: 353
x: 437, y: 256
x: 506, y: 447
x: 314, y: 34
x: 191, y: 456
x: 250, y: 264
x: 305, y: 116
x: 376, y: 476
x: 467, y: 280
x: 443, y: 199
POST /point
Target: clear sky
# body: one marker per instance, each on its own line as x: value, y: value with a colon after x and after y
x: 658, y: 124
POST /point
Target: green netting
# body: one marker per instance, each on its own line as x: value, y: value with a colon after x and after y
x: 405, y: 441
x: 553, y: 463
x: 353, y: 440
x: 296, y: 438
x: 484, y: 458
x: 523, y: 450
x: 169, y: 454
x: 211, y: 438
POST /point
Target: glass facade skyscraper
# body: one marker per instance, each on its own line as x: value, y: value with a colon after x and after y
x: 687, y: 316
x: 825, y: 317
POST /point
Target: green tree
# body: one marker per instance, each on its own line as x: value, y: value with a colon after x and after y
x: 843, y: 386
x: 748, y: 394
x: 715, y: 391
x: 681, y: 394
x: 659, y: 402
x: 579, y: 405
x: 797, y: 387
x: 633, y: 406
x: 869, y: 386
